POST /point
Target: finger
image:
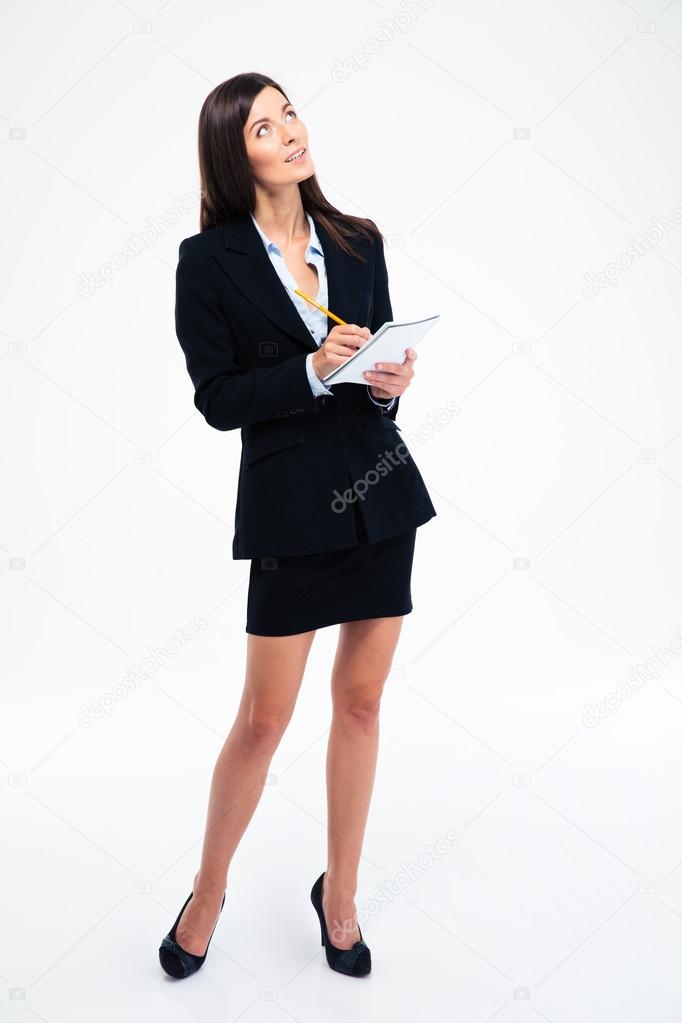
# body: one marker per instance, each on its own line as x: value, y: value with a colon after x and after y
x: 350, y: 337
x: 347, y: 340
x: 397, y: 368
x: 341, y: 349
x: 382, y: 379
x: 410, y: 356
x: 348, y: 328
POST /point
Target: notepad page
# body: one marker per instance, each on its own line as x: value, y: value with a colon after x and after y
x: 388, y: 344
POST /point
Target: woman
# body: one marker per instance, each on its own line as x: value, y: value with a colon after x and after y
x: 329, y: 498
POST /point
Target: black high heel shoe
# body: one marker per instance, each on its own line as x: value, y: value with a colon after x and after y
x: 355, y: 961
x: 175, y: 960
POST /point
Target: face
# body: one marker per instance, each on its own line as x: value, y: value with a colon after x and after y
x: 273, y: 132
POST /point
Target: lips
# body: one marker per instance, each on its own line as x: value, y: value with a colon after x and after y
x: 295, y: 157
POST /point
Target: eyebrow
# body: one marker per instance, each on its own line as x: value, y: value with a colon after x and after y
x: 261, y: 119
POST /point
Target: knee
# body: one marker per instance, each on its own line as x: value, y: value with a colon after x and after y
x: 361, y: 709
x: 262, y: 728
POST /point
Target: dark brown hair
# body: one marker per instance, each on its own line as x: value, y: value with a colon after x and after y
x: 227, y: 187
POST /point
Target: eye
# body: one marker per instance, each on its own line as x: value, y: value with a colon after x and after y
x: 265, y: 125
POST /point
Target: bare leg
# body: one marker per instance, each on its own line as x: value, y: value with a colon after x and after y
x: 361, y: 666
x: 274, y: 671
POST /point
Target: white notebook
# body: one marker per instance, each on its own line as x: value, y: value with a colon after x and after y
x: 387, y: 345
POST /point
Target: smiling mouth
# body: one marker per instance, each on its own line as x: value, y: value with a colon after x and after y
x: 295, y: 157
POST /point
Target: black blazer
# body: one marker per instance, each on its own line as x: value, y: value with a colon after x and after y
x: 304, y: 460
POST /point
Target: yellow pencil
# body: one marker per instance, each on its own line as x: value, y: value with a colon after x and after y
x: 318, y: 306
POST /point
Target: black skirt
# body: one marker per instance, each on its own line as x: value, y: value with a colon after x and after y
x: 310, y: 591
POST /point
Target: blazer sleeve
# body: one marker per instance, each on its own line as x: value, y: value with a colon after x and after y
x: 227, y: 394
x: 382, y: 312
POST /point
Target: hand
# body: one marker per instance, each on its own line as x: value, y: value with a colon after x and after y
x: 391, y: 379
x: 341, y: 342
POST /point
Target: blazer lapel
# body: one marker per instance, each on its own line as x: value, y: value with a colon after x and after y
x: 346, y: 277
x: 248, y: 265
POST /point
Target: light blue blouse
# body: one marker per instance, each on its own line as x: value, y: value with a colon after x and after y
x: 314, y: 319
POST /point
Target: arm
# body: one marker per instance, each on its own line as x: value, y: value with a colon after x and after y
x: 317, y: 386
x: 382, y: 313
x: 228, y: 395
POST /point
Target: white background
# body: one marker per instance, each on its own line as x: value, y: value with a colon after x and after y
x: 506, y: 150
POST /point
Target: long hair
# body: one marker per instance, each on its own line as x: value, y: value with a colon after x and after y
x: 227, y: 186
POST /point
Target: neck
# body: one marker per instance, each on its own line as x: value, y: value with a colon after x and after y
x: 282, y: 217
